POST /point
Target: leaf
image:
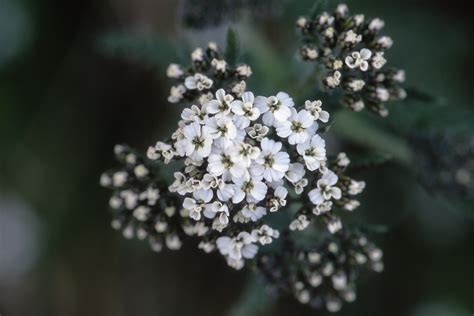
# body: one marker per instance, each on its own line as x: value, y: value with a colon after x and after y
x: 414, y: 94
x: 151, y: 50
x: 232, y: 46
x: 369, y: 160
x: 316, y: 8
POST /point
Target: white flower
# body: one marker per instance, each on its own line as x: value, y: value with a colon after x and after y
x: 173, y: 242
x: 196, y: 205
x: 342, y: 160
x: 376, y: 25
x: 359, y: 59
x: 244, y: 71
x: 313, y: 152
x: 385, y: 41
x: 253, y: 212
x: 316, y: 110
x: 352, y: 37
x: 297, y: 128
x: 334, y: 225
x: 378, y: 61
x: 198, y: 81
x: 244, y: 153
x: 174, y: 71
x: 141, y: 213
x: 238, y: 247
x: 300, y: 185
x: 222, y: 127
x: 219, y: 65
x: 239, y: 88
x: 351, y: 205
x: 176, y: 93
x: 399, y: 76
x: 252, y: 188
x: 140, y: 171
x: 197, y: 55
x: 301, y: 22
x: 356, y: 84
x: 265, y: 234
x: 382, y: 94
x: 334, y: 80
x: 194, y: 114
x: 217, y: 208
x: 257, y: 131
x: 300, y: 223
x: 356, y: 187
x: 119, y: 178
x: 279, y: 198
x: 221, y: 162
x: 221, y: 104
x: 326, y: 19
x: 272, y: 163
x: 359, y: 19
x: 326, y: 189
x: 245, y: 109
x: 295, y: 172
x: 322, y: 208
x: 275, y: 108
x: 197, y: 141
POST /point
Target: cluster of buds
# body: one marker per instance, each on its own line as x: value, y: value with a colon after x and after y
x: 352, y: 53
x: 141, y: 204
x: 324, y: 276
x: 208, y: 72
x: 333, y: 190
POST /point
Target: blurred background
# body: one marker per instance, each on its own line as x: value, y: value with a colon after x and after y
x: 78, y: 77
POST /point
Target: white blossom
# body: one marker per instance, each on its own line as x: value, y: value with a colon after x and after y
x: 297, y: 128
x: 313, y: 152
x: 359, y: 59
x: 326, y: 189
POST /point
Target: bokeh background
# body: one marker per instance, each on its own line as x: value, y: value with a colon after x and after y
x: 78, y: 77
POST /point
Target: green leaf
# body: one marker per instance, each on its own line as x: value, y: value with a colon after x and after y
x: 369, y: 160
x: 316, y: 8
x: 414, y: 94
x: 232, y: 47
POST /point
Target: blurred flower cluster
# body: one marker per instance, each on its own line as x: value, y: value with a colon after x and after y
x: 322, y: 276
x: 350, y: 53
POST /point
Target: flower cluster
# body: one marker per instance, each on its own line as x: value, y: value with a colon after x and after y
x: 241, y: 158
x: 325, y: 276
x: 352, y: 53
x: 141, y: 203
x: 208, y: 72
x: 333, y: 190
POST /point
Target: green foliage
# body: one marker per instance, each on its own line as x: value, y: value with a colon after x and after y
x: 232, y: 46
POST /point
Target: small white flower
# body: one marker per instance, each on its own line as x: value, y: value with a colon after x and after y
x: 300, y: 185
x: 279, y: 199
x: 244, y: 153
x: 257, y: 131
x: 265, y: 234
x: 221, y: 104
x: 174, y: 71
x: 378, y: 61
x: 198, y: 203
x: 140, y: 171
x: 141, y: 213
x: 253, y: 212
x: 252, y: 188
x: 359, y: 19
x: 219, y: 65
x: 272, y: 163
x: 176, y: 93
x: 244, y: 71
x: 197, y: 55
x: 119, y: 178
x: 221, y: 162
x: 316, y: 110
x: 238, y: 247
x: 197, y: 141
x: 325, y: 19
x: 382, y: 94
x: 322, y: 208
x: 334, y: 225
x: 333, y: 80
x: 222, y: 127
x: 239, y: 88
x: 173, y: 242
x: 359, y: 59
x: 385, y: 42
x: 376, y: 25
x: 217, y: 208
x: 245, y: 109
x: 300, y: 223
x: 356, y: 187
x: 356, y: 84
x: 301, y: 22
x: 297, y: 128
x: 342, y: 160
x: 198, y: 81
x: 194, y: 114
x: 275, y: 108
x: 313, y: 152
x: 326, y: 189
x: 295, y: 172
x: 352, y: 37
x: 399, y: 76
x: 342, y: 9
x: 351, y: 205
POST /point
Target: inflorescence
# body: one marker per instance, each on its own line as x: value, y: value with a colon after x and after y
x: 351, y: 55
x: 239, y: 159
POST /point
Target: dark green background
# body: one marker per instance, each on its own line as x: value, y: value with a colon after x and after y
x: 77, y: 77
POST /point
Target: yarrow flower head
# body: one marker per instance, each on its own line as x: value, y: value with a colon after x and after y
x: 353, y: 54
